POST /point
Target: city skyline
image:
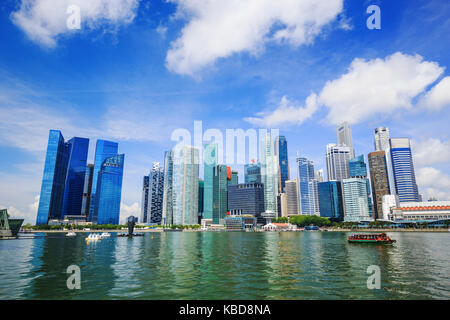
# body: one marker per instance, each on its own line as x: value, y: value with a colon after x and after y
x: 268, y: 82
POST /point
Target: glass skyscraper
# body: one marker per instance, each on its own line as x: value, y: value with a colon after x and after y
x: 330, y: 200
x: 145, y: 196
x: 87, y: 190
x: 356, y: 206
x: 220, y: 190
x: 281, y: 153
x: 403, y: 170
x: 185, y: 185
x: 201, y: 193
x: 210, y: 159
x: 252, y: 173
x: 104, y: 149
x: 153, y: 189
x: 246, y: 199
x: 337, y: 162
x: 269, y: 174
x: 167, y: 212
x: 381, y: 138
x: 63, y: 178
x: 109, y: 190
x: 344, y: 137
x: 358, y: 169
x: 307, y: 187
x: 76, y: 172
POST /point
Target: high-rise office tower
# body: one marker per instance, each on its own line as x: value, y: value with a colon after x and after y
x: 246, y: 198
x: 355, y: 194
x: 318, y: 175
x: 330, y: 200
x: 252, y: 173
x: 337, y: 162
x: 167, y: 212
x: 109, y: 190
x: 220, y: 190
x: 269, y: 174
x: 233, y: 177
x: 76, y: 172
x: 103, y: 150
x: 344, y: 135
x: 185, y: 185
x: 281, y: 154
x: 63, y: 178
x: 358, y: 169
x: 87, y: 190
x: 210, y: 160
x: 307, y: 187
x: 154, y: 196
x: 403, y: 170
x: 201, y: 192
x: 145, y: 197
x: 381, y: 138
x: 379, y: 180
x: 292, y: 194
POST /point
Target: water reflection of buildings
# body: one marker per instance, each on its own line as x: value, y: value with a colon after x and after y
x: 50, y: 258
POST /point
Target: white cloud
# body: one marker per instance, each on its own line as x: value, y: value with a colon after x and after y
x: 431, y: 151
x: 377, y: 86
x: 288, y: 112
x: 433, y: 183
x: 129, y: 210
x: 44, y: 20
x: 162, y: 31
x: 438, y: 97
x: 221, y: 28
x: 27, y: 127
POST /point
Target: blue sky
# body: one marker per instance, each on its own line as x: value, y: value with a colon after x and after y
x: 137, y: 70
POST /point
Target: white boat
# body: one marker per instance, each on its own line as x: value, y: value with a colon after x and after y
x: 105, y: 235
x: 71, y: 234
x: 93, y: 237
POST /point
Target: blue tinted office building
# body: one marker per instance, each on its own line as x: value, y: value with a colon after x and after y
x: 63, y: 178
x: 246, y: 199
x: 104, y: 149
x: 330, y: 200
x: 109, y: 190
x: 281, y: 152
x: 252, y: 173
x: 76, y: 172
x: 403, y: 170
x: 357, y: 167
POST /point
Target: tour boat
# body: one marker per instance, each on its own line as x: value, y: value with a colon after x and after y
x: 93, y: 237
x: 105, y: 235
x: 381, y: 238
x: 71, y: 234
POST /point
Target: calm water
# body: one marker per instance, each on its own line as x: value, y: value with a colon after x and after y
x: 221, y: 265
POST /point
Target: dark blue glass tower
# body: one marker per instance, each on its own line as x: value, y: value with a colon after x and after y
x: 52, y: 189
x: 330, y: 200
x: 247, y: 198
x: 357, y: 167
x: 109, y: 191
x: 76, y: 172
x: 104, y: 149
x: 63, y: 179
x: 281, y: 150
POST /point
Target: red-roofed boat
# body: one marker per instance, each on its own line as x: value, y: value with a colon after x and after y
x: 380, y: 238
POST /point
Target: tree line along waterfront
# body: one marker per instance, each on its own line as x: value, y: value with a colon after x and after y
x: 300, y: 221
